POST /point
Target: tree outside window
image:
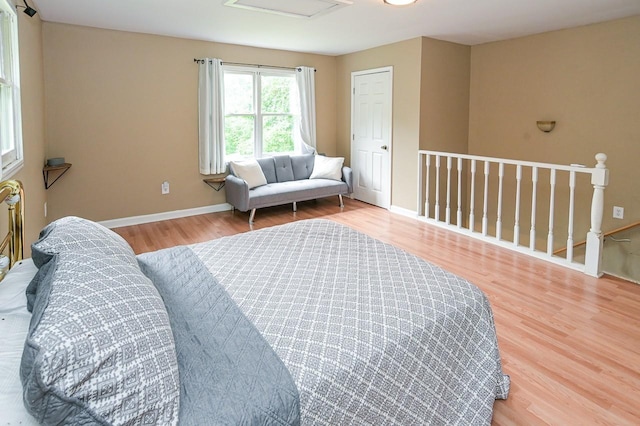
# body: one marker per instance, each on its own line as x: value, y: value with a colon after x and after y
x: 260, y: 112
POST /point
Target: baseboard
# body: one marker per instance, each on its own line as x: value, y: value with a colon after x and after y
x: 403, y: 212
x: 156, y: 217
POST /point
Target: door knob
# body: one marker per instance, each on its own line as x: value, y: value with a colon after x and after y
x: 384, y: 147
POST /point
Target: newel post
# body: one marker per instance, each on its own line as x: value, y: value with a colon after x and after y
x: 593, y: 256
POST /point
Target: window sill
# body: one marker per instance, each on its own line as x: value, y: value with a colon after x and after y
x: 13, y: 168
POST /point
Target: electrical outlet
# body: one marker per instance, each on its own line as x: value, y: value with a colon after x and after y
x: 618, y: 212
x: 165, y: 187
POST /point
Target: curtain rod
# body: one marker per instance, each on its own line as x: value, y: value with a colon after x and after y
x: 254, y: 65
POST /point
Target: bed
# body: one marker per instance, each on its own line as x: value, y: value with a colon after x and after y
x: 306, y: 323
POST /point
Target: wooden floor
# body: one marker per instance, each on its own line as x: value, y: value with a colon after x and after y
x: 570, y: 343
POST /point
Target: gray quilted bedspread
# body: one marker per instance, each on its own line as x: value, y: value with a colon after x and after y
x: 229, y: 375
x: 371, y: 334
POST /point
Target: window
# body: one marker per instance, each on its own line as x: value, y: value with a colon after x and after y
x: 260, y: 112
x: 10, y: 113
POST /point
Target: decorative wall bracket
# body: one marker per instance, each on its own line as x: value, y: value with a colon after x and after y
x: 59, y: 170
x: 216, y: 183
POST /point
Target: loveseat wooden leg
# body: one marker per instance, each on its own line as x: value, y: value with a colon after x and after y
x: 295, y: 206
x: 341, y: 202
x: 252, y: 215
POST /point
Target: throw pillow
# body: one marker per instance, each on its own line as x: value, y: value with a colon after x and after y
x: 327, y: 168
x: 100, y: 349
x: 77, y: 234
x: 249, y: 171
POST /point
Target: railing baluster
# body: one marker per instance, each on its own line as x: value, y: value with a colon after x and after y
x: 599, y: 179
x: 473, y: 196
x: 516, y: 226
x: 593, y: 253
x: 532, y: 232
x: 459, y: 215
x: 499, y: 215
x: 572, y: 189
x: 485, y: 220
x: 436, y: 213
x: 448, y: 207
x: 420, y: 185
x: 426, y: 202
x: 552, y: 196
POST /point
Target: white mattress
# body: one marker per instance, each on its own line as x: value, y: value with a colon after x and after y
x: 14, y: 324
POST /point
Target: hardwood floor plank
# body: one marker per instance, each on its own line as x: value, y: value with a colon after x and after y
x: 571, y: 343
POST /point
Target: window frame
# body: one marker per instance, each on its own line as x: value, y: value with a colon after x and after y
x: 258, y: 115
x: 13, y: 158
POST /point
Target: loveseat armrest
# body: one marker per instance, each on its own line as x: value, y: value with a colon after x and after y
x: 237, y: 193
x: 347, y: 177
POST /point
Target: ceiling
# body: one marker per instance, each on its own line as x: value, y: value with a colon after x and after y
x: 362, y: 24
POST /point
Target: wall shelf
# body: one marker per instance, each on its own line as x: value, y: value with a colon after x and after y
x: 216, y: 183
x: 58, y: 171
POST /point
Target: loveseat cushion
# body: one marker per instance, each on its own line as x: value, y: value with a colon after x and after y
x: 284, y: 170
x: 302, y: 166
x: 268, y: 167
x: 297, y: 190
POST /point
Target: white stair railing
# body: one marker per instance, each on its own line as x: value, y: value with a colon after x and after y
x: 527, y: 175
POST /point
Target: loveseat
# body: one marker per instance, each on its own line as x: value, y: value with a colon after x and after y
x: 286, y: 179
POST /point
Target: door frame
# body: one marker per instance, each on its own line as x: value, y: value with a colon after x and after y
x: 354, y: 74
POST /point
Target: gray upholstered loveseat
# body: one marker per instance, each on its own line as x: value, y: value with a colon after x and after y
x: 288, y: 181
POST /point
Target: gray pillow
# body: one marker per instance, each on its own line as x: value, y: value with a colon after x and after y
x: 76, y: 234
x: 268, y: 167
x: 284, y: 170
x: 100, y: 349
x: 302, y: 166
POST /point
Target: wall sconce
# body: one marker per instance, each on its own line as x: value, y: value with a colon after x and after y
x: 546, y: 126
x: 29, y: 10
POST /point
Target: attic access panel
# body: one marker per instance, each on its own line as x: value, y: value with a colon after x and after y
x: 291, y: 8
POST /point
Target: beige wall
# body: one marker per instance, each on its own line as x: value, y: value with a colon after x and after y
x: 444, y: 103
x: 122, y: 107
x: 404, y: 57
x: 33, y: 132
x: 587, y: 79
x: 444, y: 96
x: 430, y: 104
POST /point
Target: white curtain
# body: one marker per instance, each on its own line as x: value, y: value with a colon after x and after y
x: 5, y: 74
x: 306, y: 80
x: 211, y: 116
x: 3, y: 27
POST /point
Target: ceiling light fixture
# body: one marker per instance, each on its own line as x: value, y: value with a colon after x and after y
x: 399, y: 2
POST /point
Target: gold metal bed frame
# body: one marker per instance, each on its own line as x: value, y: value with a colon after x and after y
x: 12, y: 193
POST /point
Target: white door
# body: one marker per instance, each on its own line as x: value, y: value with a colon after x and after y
x: 371, y: 95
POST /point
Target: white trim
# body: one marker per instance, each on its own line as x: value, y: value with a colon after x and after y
x: 354, y: 74
x: 542, y: 255
x: 504, y: 244
x: 157, y: 217
x: 12, y: 168
x: 404, y: 212
x: 256, y: 73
